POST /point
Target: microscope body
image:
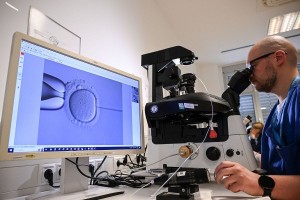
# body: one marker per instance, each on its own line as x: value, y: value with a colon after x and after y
x: 235, y: 148
x: 208, y: 126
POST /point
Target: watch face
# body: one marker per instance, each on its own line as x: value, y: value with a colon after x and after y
x: 266, y: 182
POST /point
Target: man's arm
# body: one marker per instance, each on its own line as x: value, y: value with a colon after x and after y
x: 286, y: 187
x: 237, y: 178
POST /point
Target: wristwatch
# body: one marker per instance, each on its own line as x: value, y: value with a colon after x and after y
x: 267, y: 184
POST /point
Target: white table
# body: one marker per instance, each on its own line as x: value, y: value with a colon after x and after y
x: 209, y: 191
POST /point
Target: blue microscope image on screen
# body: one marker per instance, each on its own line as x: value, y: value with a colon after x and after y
x: 73, y: 106
x: 82, y: 103
x: 85, y: 112
x: 80, y: 98
x: 53, y: 93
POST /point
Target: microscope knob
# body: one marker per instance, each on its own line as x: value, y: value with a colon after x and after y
x: 213, y: 153
x: 230, y: 152
x: 185, y: 151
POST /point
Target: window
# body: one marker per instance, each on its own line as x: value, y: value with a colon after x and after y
x: 247, y: 106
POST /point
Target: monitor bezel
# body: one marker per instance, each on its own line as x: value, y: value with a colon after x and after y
x: 9, y: 101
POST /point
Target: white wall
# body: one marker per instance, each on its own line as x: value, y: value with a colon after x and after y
x: 209, y: 78
x: 212, y: 77
x: 113, y: 32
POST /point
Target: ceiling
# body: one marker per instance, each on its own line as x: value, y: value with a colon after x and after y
x: 221, y: 32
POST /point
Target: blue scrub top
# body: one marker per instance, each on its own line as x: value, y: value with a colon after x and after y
x: 277, y: 158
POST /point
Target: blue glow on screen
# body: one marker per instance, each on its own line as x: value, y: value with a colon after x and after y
x: 66, y: 103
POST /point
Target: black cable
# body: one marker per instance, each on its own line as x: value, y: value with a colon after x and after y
x: 102, y: 173
x: 128, y: 180
x: 48, y: 174
x: 92, y: 182
x: 125, y: 159
x: 77, y: 166
x: 144, y: 157
x: 131, y: 162
x: 100, y: 164
x: 145, y: 150
x: 118, y: 178
x: 138, y: 159
x: 92, y: 171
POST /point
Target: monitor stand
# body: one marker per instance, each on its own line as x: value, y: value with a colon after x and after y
x: 71, y: 179
x: 74, y: 185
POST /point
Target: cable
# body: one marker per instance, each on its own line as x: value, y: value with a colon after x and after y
x: 111, y: 180
x: 92, y: 171
x: 100, y: 164
x: 77, y: 166
x: 107, y: 174
x: 98, y: 169
x: 126, y: 179
x: 150, y: 183
x: 135, y: 169
x: 48, y: 174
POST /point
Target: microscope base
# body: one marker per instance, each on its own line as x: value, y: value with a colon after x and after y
x: 184, y: 192
x: 168, y: 196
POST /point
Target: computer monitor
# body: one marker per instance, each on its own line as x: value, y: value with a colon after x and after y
x: 61, y: 105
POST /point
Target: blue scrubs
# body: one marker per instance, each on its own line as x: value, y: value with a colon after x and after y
x: 282, y: 156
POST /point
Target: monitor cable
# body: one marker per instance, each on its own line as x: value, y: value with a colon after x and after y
x: 95, y: 172
x: 147, y: 185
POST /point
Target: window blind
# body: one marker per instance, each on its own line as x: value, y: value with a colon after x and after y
x: 247, y: 106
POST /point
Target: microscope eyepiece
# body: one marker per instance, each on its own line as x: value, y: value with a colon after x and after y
x: 240, y: 81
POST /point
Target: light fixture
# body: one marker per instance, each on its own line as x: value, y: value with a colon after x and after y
x: 11, y: 6
x: 284, y: 23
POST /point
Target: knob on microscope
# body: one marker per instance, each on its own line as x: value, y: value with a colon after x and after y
x: 185, y: 151
x: 230, y: 152
x: 213, y: 153
x: 188, y: 151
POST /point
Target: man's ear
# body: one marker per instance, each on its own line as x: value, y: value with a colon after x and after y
x: 280, y: 57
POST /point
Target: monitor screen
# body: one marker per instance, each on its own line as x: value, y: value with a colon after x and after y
x: 59, y: 104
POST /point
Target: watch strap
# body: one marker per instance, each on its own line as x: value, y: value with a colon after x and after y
x: 267, y: 192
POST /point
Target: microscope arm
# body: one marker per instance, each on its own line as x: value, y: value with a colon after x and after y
x: 233, y: 99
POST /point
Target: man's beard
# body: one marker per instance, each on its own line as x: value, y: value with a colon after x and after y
x: 268, y: 85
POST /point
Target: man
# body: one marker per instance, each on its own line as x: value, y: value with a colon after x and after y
x: 273, y: 62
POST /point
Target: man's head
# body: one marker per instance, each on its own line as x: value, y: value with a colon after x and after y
x: 270, y: 60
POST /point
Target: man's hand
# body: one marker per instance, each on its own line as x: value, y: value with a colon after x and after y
x: 237, y: 178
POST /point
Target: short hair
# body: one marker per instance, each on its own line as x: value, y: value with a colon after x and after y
x: 258, y: 125
x: 276, y: 42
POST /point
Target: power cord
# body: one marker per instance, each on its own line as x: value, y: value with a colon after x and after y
x: 111, y: 180
x: 131, y: 165
x: 48, y: 174
x: 92, y: 172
